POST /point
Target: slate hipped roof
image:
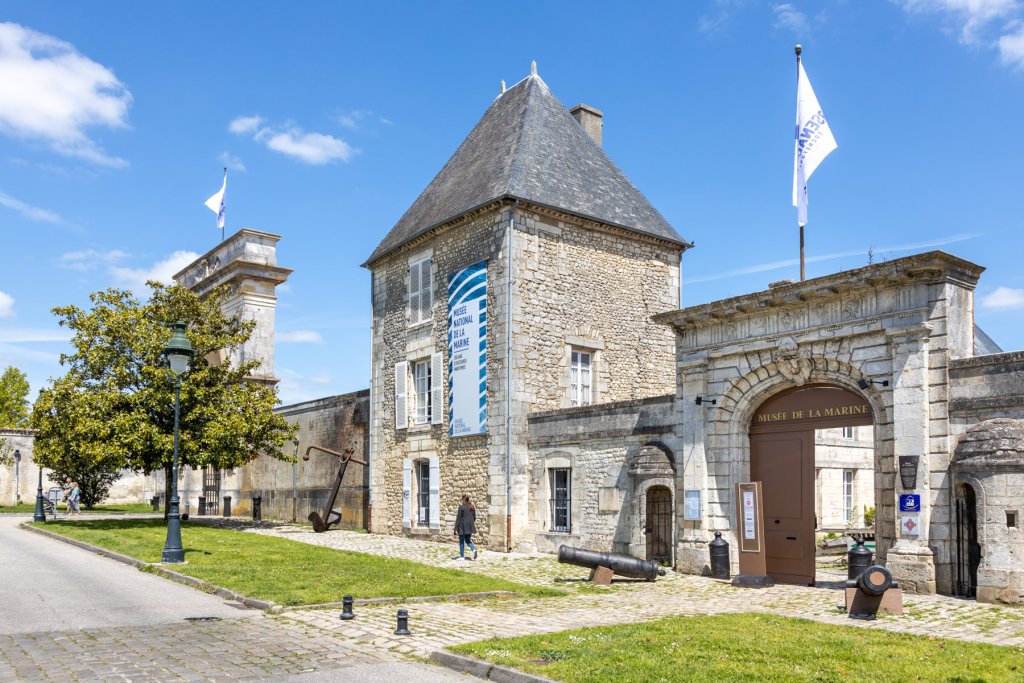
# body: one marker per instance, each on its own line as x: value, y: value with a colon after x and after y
x: 528, y: 146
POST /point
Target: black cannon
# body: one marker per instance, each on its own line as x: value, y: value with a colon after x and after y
x: 331, y: 516
x: 874, y: 590
x: 611, y: 563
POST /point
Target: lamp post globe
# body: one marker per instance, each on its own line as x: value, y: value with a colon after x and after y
x: 178, y: 352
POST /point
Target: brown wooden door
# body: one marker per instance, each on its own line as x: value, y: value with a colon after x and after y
x: 659, y: 524
x: 784, y: 463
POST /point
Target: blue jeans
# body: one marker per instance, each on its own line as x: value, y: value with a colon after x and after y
x: 464, y: 540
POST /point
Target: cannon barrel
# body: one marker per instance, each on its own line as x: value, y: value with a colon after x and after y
x: 622, y: 565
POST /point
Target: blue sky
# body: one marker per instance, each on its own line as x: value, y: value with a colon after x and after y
x: 117, y: 117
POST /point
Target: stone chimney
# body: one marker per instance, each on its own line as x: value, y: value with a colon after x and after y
x: 590, y: 119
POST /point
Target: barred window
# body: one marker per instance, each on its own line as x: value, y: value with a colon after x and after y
x: 561, y: 501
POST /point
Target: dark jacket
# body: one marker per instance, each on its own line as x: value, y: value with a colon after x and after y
x: 465, y: 521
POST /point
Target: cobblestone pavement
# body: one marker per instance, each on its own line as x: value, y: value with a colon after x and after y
x: 436, y: 625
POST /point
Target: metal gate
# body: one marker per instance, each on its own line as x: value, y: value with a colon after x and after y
x: 211, y: 491
x: 659, y: 524
x: 968, y: 551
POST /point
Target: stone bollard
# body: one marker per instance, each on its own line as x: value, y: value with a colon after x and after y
x: 257, y: 508
x: 346, y: 608
x: 156, y: 503
x: 227, y: 506
x: 403, y: 623
x: 719, y: 551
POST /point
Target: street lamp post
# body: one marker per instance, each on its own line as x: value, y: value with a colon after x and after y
x: 40, y: 513
x: 178, y: 352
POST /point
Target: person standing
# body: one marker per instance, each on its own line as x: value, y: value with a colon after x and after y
x: 465, y: 527
x: 66, y: 493
x: 73, y: 499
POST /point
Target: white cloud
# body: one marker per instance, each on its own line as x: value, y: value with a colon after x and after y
x: 26, y: 335
x: 788, y: 263
x: 301, y: 337
x: 53, y: 93
x: 1011, y: 47
x: 161, y: 271
x: 315, y: 149
x: 320, y: 378
x: 1005, y: 299
x: 6, y: 305
x: 789, y: 17
x: 231, y: 161
x: 33, y: 213
x: 89, y: 259
x: 353, y: 118
x: 245, y: 124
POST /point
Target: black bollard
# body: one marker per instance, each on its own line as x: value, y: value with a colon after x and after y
x: 227, y: 506
x: 346, y: 608
x: 719, y: 551
x: 257, y: 508
x: 403, y: 624
x: 857, y: 559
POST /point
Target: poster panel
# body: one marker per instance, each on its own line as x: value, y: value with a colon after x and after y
x: 467, y: 351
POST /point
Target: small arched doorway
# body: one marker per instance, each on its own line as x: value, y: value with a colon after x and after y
x: 659, y: 524
x: 968, y: 550
x: 782, y: 458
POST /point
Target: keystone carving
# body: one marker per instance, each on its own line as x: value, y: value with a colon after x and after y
x: 793, y: 364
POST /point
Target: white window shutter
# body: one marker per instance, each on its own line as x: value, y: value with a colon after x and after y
x: 414, y: 293
x: 435, y: 493
x: 406, y: 493
x: 426, y: 298
x: 401, y: 401
x: 436, y: 389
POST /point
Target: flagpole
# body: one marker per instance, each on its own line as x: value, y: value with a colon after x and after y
x: 798, y: 50
x: 801, y: 234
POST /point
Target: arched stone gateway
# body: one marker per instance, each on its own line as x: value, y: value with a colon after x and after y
x: 883, y: 338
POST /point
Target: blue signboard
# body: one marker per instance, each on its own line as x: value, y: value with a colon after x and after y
x: 910, y: 502
x: 467, y: 351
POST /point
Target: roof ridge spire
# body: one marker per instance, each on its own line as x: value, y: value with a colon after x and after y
x: 533, y: 67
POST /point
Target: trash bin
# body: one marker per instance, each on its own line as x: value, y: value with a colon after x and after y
x: 257, y: 504
x: 227, y: 506
x: 156, y: 503
x: 719, y: 551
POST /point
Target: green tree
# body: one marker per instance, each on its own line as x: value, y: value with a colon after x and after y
x: 114, y: 408
x: 13, y: 398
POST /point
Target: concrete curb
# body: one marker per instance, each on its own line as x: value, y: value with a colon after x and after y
x: 414, y: 599
x: 485, y: 670
x: 158, y: 570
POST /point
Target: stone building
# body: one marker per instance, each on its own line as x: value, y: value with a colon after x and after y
x: 522, y: 279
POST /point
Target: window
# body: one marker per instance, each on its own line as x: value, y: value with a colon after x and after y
x: 847, y: 496
x: 423, y: 492
x: 420, y: 293
x: 421, y: 386
x: 560, y: 500
x: 580, y: 386
x: 849, y: 433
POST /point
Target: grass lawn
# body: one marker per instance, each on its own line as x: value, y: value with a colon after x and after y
x: 747, y: 647
x: 99, y: 509
x: 276, y: 569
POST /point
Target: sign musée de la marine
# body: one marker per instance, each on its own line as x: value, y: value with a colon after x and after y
x: 578, y: 420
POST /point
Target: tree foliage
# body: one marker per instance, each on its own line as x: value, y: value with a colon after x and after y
x: 14, y: 405
x: 114, y: 408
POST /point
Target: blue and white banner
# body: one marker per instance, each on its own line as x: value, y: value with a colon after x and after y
x: 467, y: 351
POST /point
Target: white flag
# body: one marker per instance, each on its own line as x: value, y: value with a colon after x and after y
x: 813, y: 143
x: 216, y: 202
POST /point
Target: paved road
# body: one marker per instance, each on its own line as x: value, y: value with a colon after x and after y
x: 46, y: 585
x: 69, y: 615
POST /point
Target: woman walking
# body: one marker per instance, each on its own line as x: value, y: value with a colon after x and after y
x: 73, y: 499
x: 465, y: 527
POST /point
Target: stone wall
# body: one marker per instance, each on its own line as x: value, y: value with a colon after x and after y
x: 575, y: 284
x: 597, y: 443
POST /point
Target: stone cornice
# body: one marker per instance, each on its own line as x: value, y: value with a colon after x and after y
x: 222, y: 246
x: 1000, y: 359
x: 928, y: 268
